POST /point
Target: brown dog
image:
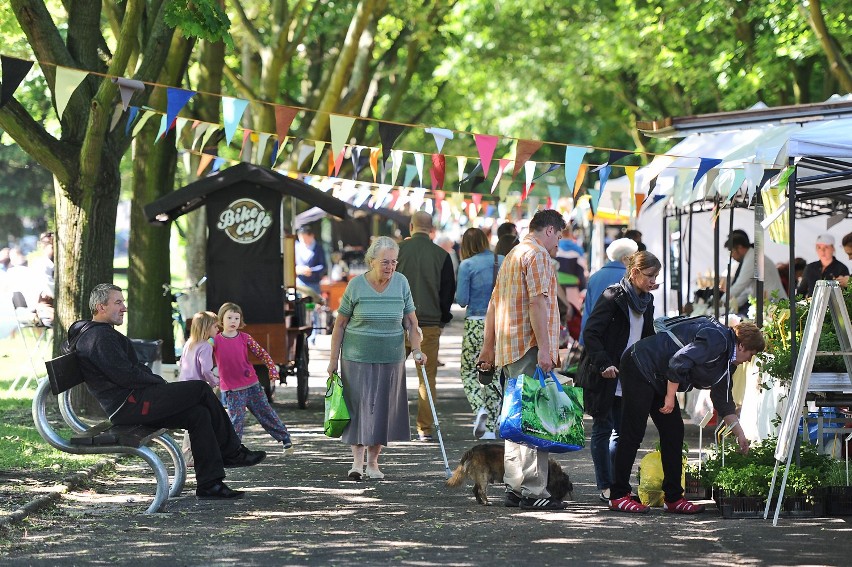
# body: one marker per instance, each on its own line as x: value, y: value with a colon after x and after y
x: 483, y: 463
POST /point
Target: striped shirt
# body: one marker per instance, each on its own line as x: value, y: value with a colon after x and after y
x: 526, y: 272
x: 374, y: 333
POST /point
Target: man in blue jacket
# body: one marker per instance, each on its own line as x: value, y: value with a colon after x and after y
x: 697, y: 353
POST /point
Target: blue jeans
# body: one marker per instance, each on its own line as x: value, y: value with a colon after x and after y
x: 603, y: 443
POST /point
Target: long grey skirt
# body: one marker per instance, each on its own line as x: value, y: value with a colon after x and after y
x: 378, y: 403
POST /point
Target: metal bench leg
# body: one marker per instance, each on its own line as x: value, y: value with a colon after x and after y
x: 160, y: 472
x: 170, y: 445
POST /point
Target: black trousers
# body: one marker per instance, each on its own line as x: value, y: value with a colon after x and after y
x: 639, y: 400
x: 189, y: 405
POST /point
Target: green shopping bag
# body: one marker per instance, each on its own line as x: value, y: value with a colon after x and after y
x: 336, y: 412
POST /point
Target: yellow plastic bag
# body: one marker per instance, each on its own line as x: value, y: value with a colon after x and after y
x: 651, y: 479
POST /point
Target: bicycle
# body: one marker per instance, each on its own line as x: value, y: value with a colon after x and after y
x: 186, y: 302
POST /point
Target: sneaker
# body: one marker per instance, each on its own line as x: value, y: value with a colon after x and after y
x: 628, y: 504
x: 512, y: 500
x: 425, y: 437
x: 479, y: 423
x: 287, y: 446
x: 683, y: 506
x: 530, y: 503
x: 488, y: 436
x: 604, y: 495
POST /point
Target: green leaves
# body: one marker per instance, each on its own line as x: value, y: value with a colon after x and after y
x: 200, y: 18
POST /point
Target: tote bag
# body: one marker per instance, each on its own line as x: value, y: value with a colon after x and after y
x: 539, y: 412
x: 336, y: 412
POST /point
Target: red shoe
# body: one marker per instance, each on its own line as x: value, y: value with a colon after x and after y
x: 627, y: 504
x: 683, y: 506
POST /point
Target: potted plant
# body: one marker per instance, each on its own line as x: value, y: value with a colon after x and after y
x: 740, y: 483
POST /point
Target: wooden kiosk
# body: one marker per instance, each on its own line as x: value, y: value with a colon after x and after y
x: 250, y: 256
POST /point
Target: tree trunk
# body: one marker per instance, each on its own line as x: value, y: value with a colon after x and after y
x: 149, y: 311
x: 837, y: 63
x: 149, y: 251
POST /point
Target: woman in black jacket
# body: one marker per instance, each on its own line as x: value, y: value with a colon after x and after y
x: 622, y: 315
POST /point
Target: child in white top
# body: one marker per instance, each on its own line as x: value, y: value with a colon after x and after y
x: 196, y: 362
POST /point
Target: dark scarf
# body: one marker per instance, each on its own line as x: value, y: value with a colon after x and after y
x: 638, y: 302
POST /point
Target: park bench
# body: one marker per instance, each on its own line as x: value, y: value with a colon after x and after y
x: 63, y: 373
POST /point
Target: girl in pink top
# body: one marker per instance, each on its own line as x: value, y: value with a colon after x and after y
x: 196, y: 362
x: 238, y: 379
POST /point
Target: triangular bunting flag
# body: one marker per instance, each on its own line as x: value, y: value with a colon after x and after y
x: 418, y: 162
x: 232, y: 113
x: 439, y: 166
x: 501, y: 167
x: 207, y: 135
x: 176, y: 100
x: 529, y: 171
x: 305, y: 150
x: 67, y: 81
x: 410, y: 172
x: 441, y: 135
x: 284, y: 116
x: 486, y: 145
x: 162, y: 130
x: 524, y: 151
x: 374, y: 161
x: 462, y: 162
x: 581, y: 176
x: 574, y: 156
x: 203, y: 163
x: 127, y: 88
x: 397, y: 164
x: 318, y: 148
x: 262, y: 140
x: 340, y: 128
x: 630, y: 171
x: 14, y: 72
x: 705, y: 165
x: 217, y: 164
x: 131, y: 116
x: 246, y: 134
x: 388, y: 133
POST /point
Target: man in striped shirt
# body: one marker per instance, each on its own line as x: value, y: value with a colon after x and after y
x: 522, y: 332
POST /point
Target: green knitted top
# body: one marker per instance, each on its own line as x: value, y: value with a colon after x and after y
x: 375, y: 333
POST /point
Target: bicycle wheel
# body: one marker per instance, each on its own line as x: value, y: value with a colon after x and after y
x: 302, y: 373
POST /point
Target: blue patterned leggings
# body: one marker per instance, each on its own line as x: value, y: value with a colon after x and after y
x: 254, y: 399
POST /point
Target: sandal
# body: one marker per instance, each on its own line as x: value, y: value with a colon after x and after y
x: 627, y: 504
x: 375, y: 473
x: 354, y: 474
x: 683, y: 506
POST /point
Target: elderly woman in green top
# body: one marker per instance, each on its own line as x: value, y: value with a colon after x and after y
x: 375, y: 312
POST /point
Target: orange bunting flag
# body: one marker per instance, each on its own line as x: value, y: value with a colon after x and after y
x: 640, y: 198
x: 581, y: 176
x: 374, y: 161
x: 203, y: 163
x: 284, y: 116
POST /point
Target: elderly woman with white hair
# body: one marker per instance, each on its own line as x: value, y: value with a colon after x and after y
x: 369, y: 343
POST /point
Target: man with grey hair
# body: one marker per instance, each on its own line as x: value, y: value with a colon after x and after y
x: 430, y: 275
x: 131, y: 394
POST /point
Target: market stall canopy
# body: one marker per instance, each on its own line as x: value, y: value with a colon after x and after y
x: 194, y: 195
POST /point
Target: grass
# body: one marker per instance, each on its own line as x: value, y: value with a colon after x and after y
x: 21, y: 447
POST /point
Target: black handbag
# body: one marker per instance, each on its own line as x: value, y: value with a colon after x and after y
x: 587, y: 376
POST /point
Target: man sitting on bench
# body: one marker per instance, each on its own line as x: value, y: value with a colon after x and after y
x: 131, y: 394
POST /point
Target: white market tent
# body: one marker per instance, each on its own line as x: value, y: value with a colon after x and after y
x: 821, y: 149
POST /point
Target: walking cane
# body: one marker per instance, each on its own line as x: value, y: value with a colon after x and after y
x: 422, y: 369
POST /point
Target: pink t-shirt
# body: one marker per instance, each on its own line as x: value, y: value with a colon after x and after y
x: 196, y: 363
x: 235, y: 372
